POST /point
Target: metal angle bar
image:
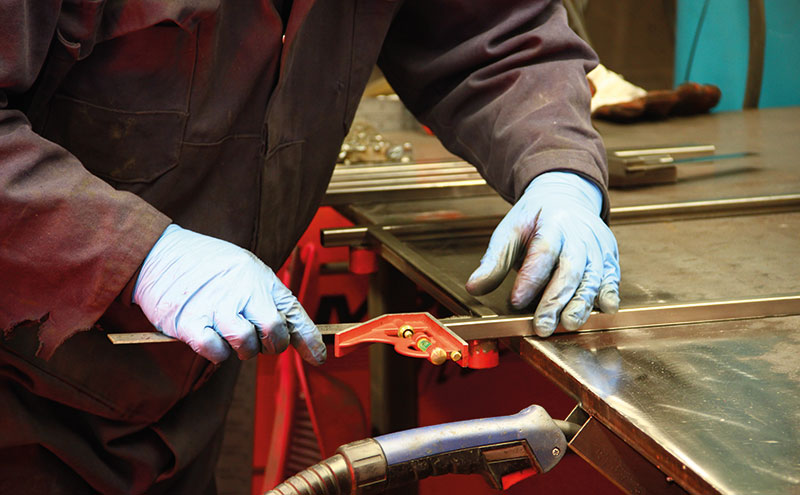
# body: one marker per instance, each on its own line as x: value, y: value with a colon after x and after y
x: 354, y: 236
x: 753, y: 204
x: 495, y: 327
x: 373, y: 182
x: 682, y: 151
x: 466, y: 181
x: 378, y: 169
x: 407, y: 192
x: 139, y: 338
x: 365, y: 174
x: 158, y: 338
x: 637, y: 317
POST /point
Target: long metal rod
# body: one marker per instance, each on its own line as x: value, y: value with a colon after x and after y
x: 408, y: 191
x: 378, y: 185
x: 353, y: 173
x: 636, y: 317
x: 344, y: 170
x: 708, y: 208
x: 494, y: 327
x: 355, y: 236
x: 678, y: 152
x: 399, y: 182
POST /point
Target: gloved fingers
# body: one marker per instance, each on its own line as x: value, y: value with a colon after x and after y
x: 561, y: 288
x: 501, y: 254
x: 608, y: 300
x: 274, y: 334
x: 579, y: 308
x: 303, y: 333
x: 199, y: 334
x: 239, y: 333
x: 305, y: 336
x: 271, y: 325
x: 540, y: 260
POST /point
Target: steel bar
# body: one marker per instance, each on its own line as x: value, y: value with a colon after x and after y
x: 157, y: 337
x: 680, y: 151
x: 394, y: 185
x: 409, y: 191
x: 493, y: 327
x: 395, y: 182
x: 378, y: 169
x: 637, y: 317
x: 139, y: 338
x: 356, y: 236
x: 355, y: 172
x: 361, y: 182
x: 705, y: 209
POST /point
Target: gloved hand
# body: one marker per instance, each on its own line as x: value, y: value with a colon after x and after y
x: 216, y: 296
x: 565, y: 250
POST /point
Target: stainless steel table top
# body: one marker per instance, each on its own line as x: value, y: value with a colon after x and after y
x: 715, y: 405
x: 662, y: 262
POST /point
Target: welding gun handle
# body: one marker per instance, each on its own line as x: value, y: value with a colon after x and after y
x: 360, y: 468
x: 504, y: 450
x: 501, y: 465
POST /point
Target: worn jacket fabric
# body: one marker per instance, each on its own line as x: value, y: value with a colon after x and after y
x: 118, y: 117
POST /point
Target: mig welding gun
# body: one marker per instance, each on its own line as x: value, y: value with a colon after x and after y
x: 504, y: 450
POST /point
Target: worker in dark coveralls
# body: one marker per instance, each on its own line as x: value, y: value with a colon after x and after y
x: 156, y: 157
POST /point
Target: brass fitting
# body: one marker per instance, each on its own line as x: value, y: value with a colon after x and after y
x: 438, y: 356
x: 405, y: 331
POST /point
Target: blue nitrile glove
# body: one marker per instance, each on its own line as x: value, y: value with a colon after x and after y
x: 216, y: 296
x: 564, y: 247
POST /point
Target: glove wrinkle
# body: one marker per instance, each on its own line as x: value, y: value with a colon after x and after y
x: 541, y: 260
x: 560, y: 253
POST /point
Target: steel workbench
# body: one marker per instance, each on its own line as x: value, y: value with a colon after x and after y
x: 707, y: 404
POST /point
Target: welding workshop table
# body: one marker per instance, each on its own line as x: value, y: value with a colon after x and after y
x: 704, y: 403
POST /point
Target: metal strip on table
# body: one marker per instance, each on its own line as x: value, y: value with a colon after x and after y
x: 398, y: 181
x: 479, y: 226
x: 495, y: 327
x: 636, y: 317
x: 705, y: 209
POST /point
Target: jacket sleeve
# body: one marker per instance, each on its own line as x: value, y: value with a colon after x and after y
x: 502, y: 84
x: 69, y: 243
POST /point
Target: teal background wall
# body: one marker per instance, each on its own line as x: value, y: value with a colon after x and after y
x: 721, y: 52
